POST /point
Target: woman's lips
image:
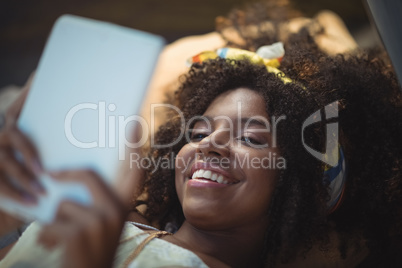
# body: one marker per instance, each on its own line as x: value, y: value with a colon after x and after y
x: 200, y: 182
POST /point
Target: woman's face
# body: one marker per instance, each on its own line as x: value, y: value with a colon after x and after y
x: 226, y: 175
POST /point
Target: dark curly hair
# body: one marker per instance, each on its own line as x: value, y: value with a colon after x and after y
x: 370, y: 122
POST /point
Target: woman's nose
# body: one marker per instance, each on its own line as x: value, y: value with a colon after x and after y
x: 215, y: 144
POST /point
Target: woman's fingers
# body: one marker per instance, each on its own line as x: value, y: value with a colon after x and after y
x: 89, y: 234
x: 16, y: 180
x: 84, y: 224
x: 14, y: 110
x: 106, y: 206
x: 86, y: 239
x: 101, y: 193
x: 9, y: 189
x: 18, y: 174
x: 68, y: 225
x: 24, y: 146
x: 16, y: 177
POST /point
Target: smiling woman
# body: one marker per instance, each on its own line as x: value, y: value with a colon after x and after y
x: 205, y: 201
x: 272, y: 211
x: 220, y: 205
x: 227, y: 189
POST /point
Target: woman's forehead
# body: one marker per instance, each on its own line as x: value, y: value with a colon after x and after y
x: 240, y: 102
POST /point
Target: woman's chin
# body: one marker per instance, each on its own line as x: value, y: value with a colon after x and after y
x: 205, y: 218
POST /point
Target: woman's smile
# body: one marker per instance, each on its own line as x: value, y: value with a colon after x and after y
x: 210, y: 174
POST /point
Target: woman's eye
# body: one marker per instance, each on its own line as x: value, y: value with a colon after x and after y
x: 197, y: 136
x: 249, y: 140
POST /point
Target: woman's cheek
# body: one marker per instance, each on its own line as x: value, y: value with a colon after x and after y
x: 183, y: 162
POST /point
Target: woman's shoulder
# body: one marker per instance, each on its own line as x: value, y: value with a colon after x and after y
x: 139, y: 247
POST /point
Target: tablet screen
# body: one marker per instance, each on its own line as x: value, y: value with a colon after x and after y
x: 85, y: 98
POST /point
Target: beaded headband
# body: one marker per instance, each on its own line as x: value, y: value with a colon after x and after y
x: 270, y: 56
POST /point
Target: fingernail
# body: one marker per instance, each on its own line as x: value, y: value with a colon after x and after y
x: 29, y: 198
x: 37, y: 187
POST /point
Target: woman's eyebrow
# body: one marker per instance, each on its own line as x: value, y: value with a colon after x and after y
x: 203, y: 118
x: 252, y: 121
x: 248, y: 121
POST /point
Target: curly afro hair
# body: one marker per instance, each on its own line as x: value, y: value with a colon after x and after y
x: 370, y: 123
x: 369, y: 119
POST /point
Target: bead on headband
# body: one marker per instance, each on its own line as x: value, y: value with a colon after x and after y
x: 270, y: 56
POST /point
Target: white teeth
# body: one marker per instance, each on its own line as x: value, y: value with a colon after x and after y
x: 201, y: 175
x: 214, y: 177
x: 197, y: 174
x: 208, y: 174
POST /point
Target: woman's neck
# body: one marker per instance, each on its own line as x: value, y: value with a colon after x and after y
x: 237, y: 247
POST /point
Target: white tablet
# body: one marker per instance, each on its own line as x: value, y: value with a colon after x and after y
x: 86, y: 96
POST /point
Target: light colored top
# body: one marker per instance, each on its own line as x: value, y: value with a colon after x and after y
x: 157, y: 253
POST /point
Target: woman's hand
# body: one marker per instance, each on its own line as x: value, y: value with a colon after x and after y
x: 17, y: 179
x: 89, y: 234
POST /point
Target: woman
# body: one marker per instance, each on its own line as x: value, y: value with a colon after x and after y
x: 254, y: 214
x: 302, y: 220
